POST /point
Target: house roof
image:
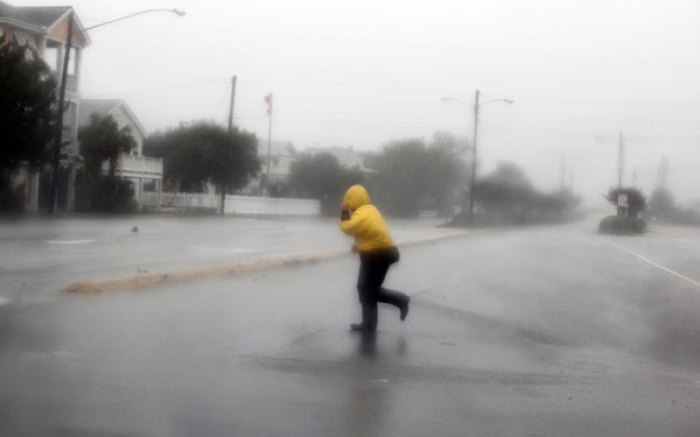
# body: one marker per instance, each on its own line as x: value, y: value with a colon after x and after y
x: 277, y: 148
x: 104, y: 107
x: 39, y: 18
x: 43, y: 16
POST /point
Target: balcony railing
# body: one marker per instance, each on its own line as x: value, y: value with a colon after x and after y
x: 138, y: 166
x: 71, y: 82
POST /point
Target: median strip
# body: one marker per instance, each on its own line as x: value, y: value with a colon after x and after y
x: 142, y: 280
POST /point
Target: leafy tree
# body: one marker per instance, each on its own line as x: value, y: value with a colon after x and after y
x: 27, y: 113
x: 410, y: 175
x: 113, y: 195
x: 399, y: 180
x: 635, y: 199
x: 321, y: 176
x: 233, y: 160
x: 446, y: 172
x: 508, y: 196
x: 102, y: 140
x: 664, y: 208
x: 194, y: 154
x: 662, y: 205
x: 511, y: 175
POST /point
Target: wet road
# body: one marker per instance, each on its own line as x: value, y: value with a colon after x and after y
x: 544, y: 332
x: 40, y: 255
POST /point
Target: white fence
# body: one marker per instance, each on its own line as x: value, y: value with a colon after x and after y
x: 180, y: 200
x: 269, y: 206
x: 238, y: 205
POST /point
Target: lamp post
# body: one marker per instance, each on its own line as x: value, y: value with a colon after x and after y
x: 476, y: 106
x: 53, y: 190
x: 145, y: 11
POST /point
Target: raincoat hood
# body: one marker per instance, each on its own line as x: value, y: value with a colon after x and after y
x: 357, y: 196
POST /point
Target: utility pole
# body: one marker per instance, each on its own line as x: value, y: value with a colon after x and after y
x: 472, y: 184
x: 562, y: 173
x: 476, y: 105
x: 620, y: 160
x: 55, y: 164
x: 224, y: 188
x: 663, y: 172
x: 268, y: 99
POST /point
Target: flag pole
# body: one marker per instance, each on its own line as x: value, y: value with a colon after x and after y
x: 269, y: 139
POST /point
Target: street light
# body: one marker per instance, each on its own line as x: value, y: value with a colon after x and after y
x: 476, y: 105
x: 53, y: 193
x: 145, y: 11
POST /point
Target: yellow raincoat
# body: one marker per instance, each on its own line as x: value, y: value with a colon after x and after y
x: 366, y: 223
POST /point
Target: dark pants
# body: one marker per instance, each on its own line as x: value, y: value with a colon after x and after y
x: 373, y: 268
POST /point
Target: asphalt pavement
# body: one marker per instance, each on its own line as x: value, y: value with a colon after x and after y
x: 521, y: 332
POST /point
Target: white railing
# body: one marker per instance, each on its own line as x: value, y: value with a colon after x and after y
x: 268, y: 206
x: 138, y: 166
x: 235, y: 205
x: 180, y: 200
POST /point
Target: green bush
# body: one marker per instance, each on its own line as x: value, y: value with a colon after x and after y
x: 622, y: 225
x: 113, y: 195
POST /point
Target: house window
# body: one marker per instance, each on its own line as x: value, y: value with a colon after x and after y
x: 72, y: 65
x: 51, y: 57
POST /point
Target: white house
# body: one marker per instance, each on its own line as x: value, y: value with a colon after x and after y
x: 45, y: 29
x: 281, y: 156
x: 141, y: 170
x: 348, y: 157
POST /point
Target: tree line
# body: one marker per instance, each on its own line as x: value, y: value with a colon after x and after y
x: 405, y: 177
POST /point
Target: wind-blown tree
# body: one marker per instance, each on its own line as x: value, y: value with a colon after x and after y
x: 321, y: 176
x: 632, y: 223
x: 636, y: 200
x: 446, y: 171
x: 662, y: 206
x: 409, y: 175
x: 194, y: 154
x: 233, y: 160
x: 103, y: 140
x: 27, y: 111
x: 508, y: 196
x: 506, y: 193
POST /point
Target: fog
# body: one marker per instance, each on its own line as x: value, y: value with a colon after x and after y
x: 363, y: 73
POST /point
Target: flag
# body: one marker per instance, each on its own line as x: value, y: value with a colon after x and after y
x: 268, y: 100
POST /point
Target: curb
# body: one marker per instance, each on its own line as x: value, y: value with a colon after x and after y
x: 143, y: 280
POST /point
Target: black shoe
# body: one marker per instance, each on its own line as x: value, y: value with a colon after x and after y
x: 360, y: 327
x: 404, y: 309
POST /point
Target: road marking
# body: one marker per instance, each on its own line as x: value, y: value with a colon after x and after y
x: 653, y: 264
x: 69, y: 241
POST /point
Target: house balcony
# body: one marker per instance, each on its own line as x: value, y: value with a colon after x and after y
x: 71, y: 82
x: 137, y: 167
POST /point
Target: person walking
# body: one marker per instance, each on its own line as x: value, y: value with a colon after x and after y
x: 377, y: 251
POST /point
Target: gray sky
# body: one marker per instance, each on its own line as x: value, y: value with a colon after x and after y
x: 365, y: 72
